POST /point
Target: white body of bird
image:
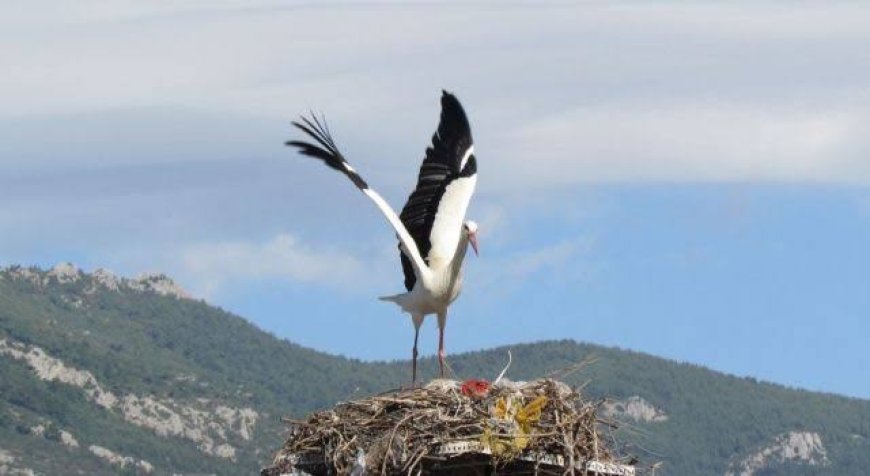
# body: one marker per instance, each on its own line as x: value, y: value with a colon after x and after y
x: 439, y: 285
x: 432, y: 231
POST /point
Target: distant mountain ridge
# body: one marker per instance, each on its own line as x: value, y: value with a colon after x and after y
x: 66, y: 272
x: 106, y: 375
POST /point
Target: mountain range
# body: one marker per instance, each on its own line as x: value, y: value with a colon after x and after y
x: 107, y: 375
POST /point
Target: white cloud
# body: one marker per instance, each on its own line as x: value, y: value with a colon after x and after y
x: 23, y: 13
x: 563, y: 92
x: 564, y: 262
x: 558, y: 94
x: 694, y: 142
x: 770, y: 19
x: 210, y: 267
x: 552, y: 257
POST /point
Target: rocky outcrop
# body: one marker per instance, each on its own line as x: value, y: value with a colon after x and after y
x: 121, y: 461
x: 634, y: 408
x: 9, y: 466
x: 158, y: 284
x: 101, y: 278
x: 49, y: 368
x: 107, y: 279
x: 206, y: 422
x: 68, y: 440
x: 64, y: 437
x: 795, y: 446
x: 64, y: 273
x: 210, y: 424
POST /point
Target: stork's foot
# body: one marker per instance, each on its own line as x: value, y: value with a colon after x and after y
x: 441, y: 363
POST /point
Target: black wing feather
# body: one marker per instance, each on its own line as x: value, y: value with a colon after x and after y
x: 440, y: 166
x: 325, y: 149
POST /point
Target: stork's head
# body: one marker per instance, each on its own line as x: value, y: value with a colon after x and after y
x: 470, y: 230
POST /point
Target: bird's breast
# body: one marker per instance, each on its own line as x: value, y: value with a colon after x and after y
x: 444, y: 285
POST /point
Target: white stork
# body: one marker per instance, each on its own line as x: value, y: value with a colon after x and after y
x: 432, y: 231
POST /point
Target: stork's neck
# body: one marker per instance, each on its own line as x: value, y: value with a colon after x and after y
x: 461, y: 250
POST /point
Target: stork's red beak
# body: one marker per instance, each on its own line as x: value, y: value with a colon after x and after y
x: 472, y: 238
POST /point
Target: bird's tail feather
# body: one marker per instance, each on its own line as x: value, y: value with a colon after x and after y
x: 400, y: 300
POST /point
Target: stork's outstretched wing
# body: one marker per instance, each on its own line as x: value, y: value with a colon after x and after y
x: 436, y: 208
x: 325, y: 149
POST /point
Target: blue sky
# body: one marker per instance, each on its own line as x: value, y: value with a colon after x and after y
x: 684, y: 179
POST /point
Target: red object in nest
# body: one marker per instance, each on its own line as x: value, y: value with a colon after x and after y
x: 475, y: 389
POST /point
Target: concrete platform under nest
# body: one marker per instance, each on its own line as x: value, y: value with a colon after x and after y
x: 461, y: 428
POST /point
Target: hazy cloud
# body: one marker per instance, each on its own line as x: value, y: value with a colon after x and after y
x: 207, y: 267
x: 560, y: 263
x: 697, y: 142
x: 567, y: 92
x: 145, y: 124
x: 550, y: 257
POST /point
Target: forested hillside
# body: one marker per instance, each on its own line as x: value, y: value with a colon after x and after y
x: 101, y: 375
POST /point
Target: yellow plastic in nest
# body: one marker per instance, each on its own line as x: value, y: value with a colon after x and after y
x: 506, y: 408
x: 531, y: 413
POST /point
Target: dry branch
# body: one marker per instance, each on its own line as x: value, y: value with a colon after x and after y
x: 403, y: 431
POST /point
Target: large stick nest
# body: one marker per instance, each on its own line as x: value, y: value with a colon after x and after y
x: 407, y: 431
